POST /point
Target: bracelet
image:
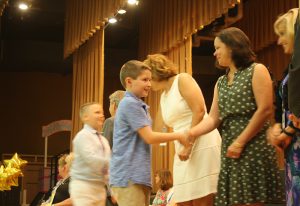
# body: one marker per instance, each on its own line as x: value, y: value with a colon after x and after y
x: 238, y: 145
x: 288, y: 133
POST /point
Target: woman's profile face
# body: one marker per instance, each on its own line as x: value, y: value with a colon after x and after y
x: 222, y: 53
x: 285, y: 40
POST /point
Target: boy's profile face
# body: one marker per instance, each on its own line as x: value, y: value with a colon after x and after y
x: 94, y: 116
x: 140, y: 86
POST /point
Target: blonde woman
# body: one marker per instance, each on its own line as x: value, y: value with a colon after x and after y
x: 183, y: 106
x: 283, y: 133
x: 294, y: 76
x: 60, y: 192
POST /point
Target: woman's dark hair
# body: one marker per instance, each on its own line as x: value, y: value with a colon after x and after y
x: 241, y: 52
x: 165, y: 179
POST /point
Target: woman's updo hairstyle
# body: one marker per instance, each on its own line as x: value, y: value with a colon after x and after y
x: 285, y: 24
x: 162, y: 68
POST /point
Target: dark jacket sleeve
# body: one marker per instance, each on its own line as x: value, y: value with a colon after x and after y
x: 294, y: 74
x: 278, y: 105
x: 108, y: 129
x: 62, y: 192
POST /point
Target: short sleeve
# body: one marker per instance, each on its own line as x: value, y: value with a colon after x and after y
x: 137, y: 115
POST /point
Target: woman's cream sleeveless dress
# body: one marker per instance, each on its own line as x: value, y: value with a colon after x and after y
x: 198, y: 176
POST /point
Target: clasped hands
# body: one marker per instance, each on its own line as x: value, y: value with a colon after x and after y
x: 187, y: 141
x: 234, y: 151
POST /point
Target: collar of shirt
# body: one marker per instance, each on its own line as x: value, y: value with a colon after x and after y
x: 143, y: 104
x: 93, y: 131
x: 90, y: 129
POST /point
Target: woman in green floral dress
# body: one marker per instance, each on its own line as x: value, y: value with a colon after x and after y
x: 241, y: 108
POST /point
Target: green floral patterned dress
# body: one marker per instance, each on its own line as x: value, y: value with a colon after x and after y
x: 161, y: 198
x: 254, y: 177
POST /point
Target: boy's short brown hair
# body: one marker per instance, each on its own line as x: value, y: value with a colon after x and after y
x: 132, y: 69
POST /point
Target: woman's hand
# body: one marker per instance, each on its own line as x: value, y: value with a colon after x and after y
x: 185, y: 153
x: 273, y: 134
x: 295, y: 120
x: 277, y: 138
x: 284, y: 140
x: 274, y: 131
x: 235, y: 150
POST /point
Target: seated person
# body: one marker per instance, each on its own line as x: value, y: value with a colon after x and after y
x: 60, y: 192
x: 164, y: 180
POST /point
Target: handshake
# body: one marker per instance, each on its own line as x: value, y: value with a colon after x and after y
x: 187, y: 140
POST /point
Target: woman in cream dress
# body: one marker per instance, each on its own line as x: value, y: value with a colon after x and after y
x: 183, y: 106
